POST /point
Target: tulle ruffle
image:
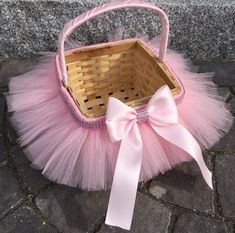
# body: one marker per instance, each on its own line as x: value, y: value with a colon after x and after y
x: 70, y: 154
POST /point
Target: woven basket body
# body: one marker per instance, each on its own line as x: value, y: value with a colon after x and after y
x: 128, y: 70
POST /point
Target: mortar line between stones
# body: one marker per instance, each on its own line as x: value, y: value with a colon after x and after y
x: 44, y: 187
x: 38, y: 212
x: 180, y: 209
x: 144, y: 188
x: 12, y: 209
x: 216, y: 196
x: 173, y: 220
x: 26, y: 191
x: 24, y: 188
x: 221, y: 152
x: 99, y: 223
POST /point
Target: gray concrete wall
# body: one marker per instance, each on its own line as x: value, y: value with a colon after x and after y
x: 204, y: 30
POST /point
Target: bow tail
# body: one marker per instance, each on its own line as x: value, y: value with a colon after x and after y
x: 182, y: 138
x: 125, y: 180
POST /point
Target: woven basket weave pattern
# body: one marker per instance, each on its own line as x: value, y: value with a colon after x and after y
x: 126, y: 70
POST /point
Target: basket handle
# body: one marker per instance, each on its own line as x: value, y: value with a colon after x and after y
x: 77, y: 21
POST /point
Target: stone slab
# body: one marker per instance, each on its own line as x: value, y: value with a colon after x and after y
x: 25, y: 220
x: 202, y: 29
x: 149, y: 217
x: 3, y: 146
x: 11, y: 133
x: 184, y: 186
x: 2, y: 108
x: 32, y: 177
x: 225, y: 174
x: 3, y: 151
x: 10, y: 191
x: 72, y: 210
x: 188, y: 223
x: 233, y: 104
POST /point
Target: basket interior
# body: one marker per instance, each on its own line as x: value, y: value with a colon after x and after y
x: 127, y: 70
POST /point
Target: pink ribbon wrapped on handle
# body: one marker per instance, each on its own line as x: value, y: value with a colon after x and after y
x: 122, y: 124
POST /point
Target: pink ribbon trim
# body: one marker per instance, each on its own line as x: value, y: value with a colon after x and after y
x: 122, y: 123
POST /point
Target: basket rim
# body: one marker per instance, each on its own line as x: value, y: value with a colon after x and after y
x: 99, y: 121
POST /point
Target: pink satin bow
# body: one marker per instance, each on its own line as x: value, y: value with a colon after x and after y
x: 122, y: 123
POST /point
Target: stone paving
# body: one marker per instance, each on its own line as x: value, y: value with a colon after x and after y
x: 177, y: 202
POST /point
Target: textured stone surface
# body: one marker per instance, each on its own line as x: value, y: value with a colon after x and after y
x: 233, y: 105
x: 225, y: 174
x: 2, y: 105
x: 3, y: 147
x: 71, y: 210
x: 10, y: 192
x: 187, y: 223
x: 182, y: 185
x: 25, y: 220
x: 197, y: 28
x: 11, y: 133
x: 30, y: 176
x: 3, y: 150
x: 149, y: 217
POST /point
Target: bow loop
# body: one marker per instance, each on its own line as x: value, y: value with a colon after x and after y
x: 162, y: 109
x: 119, y: 119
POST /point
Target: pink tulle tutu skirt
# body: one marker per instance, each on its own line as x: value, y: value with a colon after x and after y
x: 72, y: 154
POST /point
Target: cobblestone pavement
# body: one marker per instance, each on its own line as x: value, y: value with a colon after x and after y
x: 178, y: 201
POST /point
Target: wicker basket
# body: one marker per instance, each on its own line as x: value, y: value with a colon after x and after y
x: 127, y: 70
